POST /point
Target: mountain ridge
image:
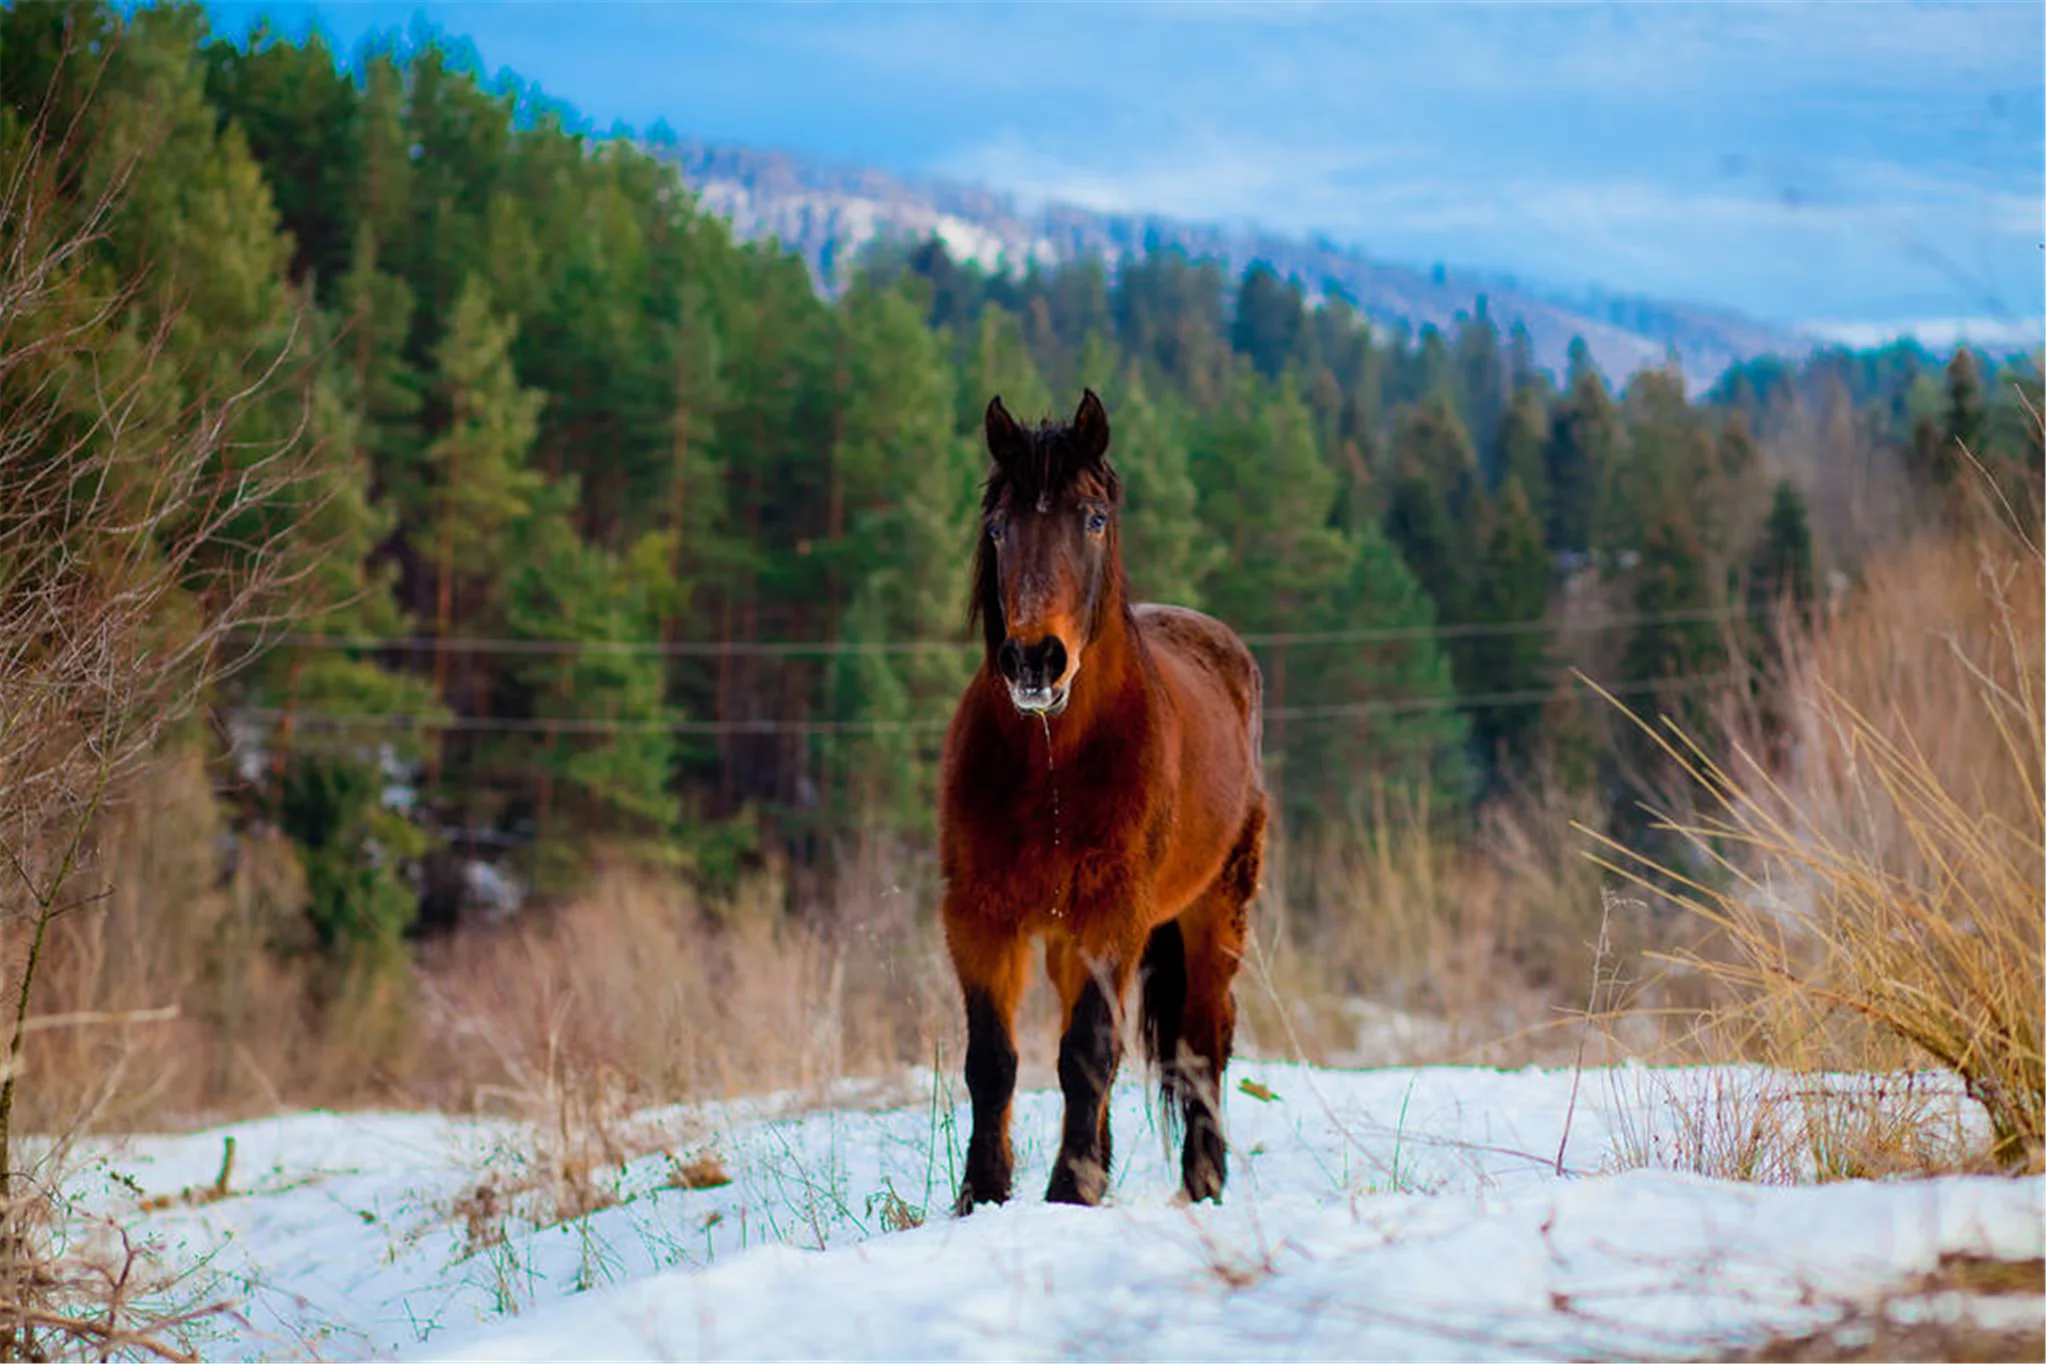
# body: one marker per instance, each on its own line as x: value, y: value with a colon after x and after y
x: 828, y: 212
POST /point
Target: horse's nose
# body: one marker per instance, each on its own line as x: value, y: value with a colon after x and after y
x: 1032, y: 666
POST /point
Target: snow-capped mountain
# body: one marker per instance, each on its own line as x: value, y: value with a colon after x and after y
x: 828, y: 214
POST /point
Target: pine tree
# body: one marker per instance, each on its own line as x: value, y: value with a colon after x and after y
x: 1523, y: 448
x: 1967, y: 420
x: 481, y: 484
x: 1582, y: 455
x: 610, y: 783
x: 1268, y: 496
x: 998, y: 364
x: 1165, y: 546
x: 1511, y: 590
x: 909, y: 483
x: 1783, y: 573
x: 1481, y: 380
x: 1271, y: 319
x: 1434, y: 485
x: 1378, y: 712
x: 1677, y: 648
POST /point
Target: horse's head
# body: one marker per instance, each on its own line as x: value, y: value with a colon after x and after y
x: 1048, y: 575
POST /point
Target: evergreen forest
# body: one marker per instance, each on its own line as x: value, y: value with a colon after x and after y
x: 614, y: 539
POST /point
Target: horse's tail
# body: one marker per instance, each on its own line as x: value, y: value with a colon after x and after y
x: 1162, y: 1017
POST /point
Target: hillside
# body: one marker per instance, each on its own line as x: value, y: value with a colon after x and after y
x: 827, y: 213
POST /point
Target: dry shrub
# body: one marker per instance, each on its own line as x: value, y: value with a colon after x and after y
x: 1398, y: 943
x: 1872, y: 849
x: 636, y: 979
x: 1767, y: 1126
x: 194, y: 990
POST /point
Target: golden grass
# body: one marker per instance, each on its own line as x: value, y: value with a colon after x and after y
x: 1871, y: 871
x: 636, y: 985
x: 1396, y: 944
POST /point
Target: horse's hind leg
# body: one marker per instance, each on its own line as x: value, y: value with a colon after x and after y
x: 992, y: 968
x: 1215, y: 930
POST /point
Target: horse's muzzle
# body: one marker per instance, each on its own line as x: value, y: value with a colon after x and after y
x: 1041, y: 701
x: 1036, y: 674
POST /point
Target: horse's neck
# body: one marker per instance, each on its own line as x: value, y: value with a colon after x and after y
x: 1112, y: 671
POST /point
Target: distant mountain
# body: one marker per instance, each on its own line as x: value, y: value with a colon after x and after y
x: 828, y: 214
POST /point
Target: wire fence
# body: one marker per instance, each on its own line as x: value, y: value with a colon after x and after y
x: 595, y: 725
x: 454, y: 644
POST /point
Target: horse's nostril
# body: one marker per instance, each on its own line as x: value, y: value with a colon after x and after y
x: 1009, y: 658
x: 1054, y: 660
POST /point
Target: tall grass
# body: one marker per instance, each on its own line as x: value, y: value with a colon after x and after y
x: 1389, y: 942
x: 638, y: 980
x: 1868, y: 854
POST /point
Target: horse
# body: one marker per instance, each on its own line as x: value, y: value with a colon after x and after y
x: 1101, y: 789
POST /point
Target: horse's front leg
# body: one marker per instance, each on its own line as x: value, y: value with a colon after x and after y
x: 1091, y: 987
x: 992, y: 966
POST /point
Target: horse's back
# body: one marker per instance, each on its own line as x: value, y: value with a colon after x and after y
x: 1207, y: 656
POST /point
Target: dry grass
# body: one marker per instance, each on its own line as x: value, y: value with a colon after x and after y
x: 637, y: 981
x: 1399, y: 945
x: 1768, y: 1126
x: 1871, y: 870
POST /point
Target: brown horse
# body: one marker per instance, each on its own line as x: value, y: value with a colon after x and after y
x: 1101, y: 790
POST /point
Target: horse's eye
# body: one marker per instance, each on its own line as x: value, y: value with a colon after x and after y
x: 1097, y: 522
x: 994, y: 531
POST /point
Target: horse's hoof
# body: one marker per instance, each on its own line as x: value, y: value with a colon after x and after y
x: 1202, y: 1184
x: 968, y: 1200
x: 1072, y: 1184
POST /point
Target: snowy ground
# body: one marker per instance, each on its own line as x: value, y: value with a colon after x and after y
x: 1375, y: 1214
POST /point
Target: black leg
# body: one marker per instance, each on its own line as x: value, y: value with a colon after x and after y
x: 991, y: 1083
x: 1203, y: 1160
x: 1088, y: 1055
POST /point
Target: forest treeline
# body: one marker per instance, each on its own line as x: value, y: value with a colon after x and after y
x: 625, y: 538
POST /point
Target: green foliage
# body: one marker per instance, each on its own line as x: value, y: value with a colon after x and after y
x: 643, y: 521
x: 1512, y: 589
x: 1271, y: 321
x: 1170, y: 552
x: 478, y: 484
x: 1584, y: 450
x: 908, y: 483
x: 1523, y: 445
x: 1783, y: 570
x: 1378, y: 710
x: 999, y: 364
x: 1433, y: 484
x: 353, y: 848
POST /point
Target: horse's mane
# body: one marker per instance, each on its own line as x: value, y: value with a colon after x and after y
x: 1043, y: 464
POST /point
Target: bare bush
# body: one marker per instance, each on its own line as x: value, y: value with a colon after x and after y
x: 133, y: 544
x: 1874, y: 887
x: 635, y: 983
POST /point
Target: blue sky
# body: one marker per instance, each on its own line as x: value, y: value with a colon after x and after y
x: 1845, y: 163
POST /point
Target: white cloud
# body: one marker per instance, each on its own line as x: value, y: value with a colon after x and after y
x: 1937, y: 333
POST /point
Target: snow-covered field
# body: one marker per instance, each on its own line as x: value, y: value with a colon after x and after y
x: 1371, y: 1214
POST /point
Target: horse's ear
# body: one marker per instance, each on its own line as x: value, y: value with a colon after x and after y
x: 1090, y: 428
x: 1004, y: 436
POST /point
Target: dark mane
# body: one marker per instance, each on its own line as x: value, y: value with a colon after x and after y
x: 1047, y: 466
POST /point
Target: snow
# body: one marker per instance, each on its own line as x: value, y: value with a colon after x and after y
x: 1383, y: 1213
